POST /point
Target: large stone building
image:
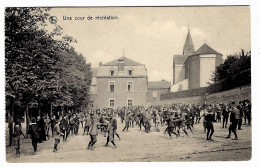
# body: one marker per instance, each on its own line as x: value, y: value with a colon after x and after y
x: 122, y: 82
x: 193, y: 69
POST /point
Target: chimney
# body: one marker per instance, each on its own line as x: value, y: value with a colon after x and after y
x: 100, y: 63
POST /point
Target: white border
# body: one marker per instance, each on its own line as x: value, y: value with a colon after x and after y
x: 255, y: 67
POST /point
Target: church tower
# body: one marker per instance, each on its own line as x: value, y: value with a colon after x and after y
x: 188, y: 48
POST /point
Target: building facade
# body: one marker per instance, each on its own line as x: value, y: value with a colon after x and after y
x: 122, y: 82
x: 194, y: 69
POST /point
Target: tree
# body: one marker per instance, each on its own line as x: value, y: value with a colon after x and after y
x: 34, y: 60
x: 234, y: 72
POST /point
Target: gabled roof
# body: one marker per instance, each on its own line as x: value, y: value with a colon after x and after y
x: 206, y: 49
x: 179, y: 59
x: 159, y: 84
x: 94, y: 72
x: 127, y: 62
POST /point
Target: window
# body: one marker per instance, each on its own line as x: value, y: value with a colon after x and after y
x: 112, y: 72
x: 129, y: 86
x: 154, y: 93
x: 130, y: 72
x: 129, y: 102
x: 111, y: 86
x: 111, y: 103
x: 91, y: 104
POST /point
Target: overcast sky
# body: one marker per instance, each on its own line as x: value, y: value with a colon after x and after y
x: 152, y: 35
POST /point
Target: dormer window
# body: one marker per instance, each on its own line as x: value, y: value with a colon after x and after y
x: 130, y: 72
x: 112, y: 72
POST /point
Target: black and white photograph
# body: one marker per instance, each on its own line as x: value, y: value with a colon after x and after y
x: 127, y: 84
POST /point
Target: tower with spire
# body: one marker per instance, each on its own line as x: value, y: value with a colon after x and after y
x: 193, y: 69
x: 188, y: 48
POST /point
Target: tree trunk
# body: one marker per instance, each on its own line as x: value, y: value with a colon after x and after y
x: 51, y: 110
x: 27, y: 118
x: 39, y: 109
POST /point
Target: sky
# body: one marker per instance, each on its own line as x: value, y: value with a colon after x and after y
x: 153, y: 35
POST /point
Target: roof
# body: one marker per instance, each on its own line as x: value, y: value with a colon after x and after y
x: 127, y: 62
x: 188, y: 47
x: 94, y: 72
x: 159, y: 84
x: 206, y: 49
x: 179, y: 59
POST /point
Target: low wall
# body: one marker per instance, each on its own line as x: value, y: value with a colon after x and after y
x: 187, y: 100
x: 236, y: 95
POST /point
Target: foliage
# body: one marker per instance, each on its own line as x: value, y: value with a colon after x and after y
x: 234, y: 72
x: 38, y: 66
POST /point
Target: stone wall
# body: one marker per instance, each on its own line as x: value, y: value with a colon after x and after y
x: 236, y: 94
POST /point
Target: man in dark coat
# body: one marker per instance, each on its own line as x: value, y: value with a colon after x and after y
x: 225, y: 115
x: 64, y: 127
x: 209, y: 118
x: 114, y: 125
x: 248, y: 112
x: 240, y: 107
x: 233, y: 122
x: 42, y: 132
x: 34, y: 134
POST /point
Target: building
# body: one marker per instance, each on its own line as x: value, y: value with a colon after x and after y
x: 121, y: 82
x: 155, y: 89
x: 193, y: 69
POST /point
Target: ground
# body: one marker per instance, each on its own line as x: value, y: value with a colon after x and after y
x: 136, y: 146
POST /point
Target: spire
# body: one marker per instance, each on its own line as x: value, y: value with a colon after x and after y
x: 123, y: 52
x: 188, y: 47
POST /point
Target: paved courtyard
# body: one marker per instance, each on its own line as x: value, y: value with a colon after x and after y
x: 137, y: 145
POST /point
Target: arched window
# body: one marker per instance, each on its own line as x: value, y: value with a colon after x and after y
x: 111, y: 72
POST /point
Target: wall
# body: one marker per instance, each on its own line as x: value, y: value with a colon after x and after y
x: 120, y: 93
x: 184, y: 83
x: 194, y: 72
x: 236, y: 95
x: 150, y: 97
x: 179, y: 73
x: 187, y: 100
x: 137, y: 70
x: 207, y: 67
